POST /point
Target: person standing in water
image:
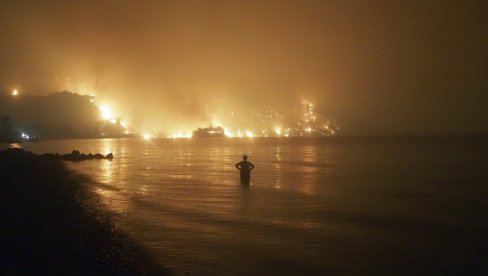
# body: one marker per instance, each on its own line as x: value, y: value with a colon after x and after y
x: 245, y: 167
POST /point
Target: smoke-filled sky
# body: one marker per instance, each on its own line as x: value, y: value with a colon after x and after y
x: 375, y: 67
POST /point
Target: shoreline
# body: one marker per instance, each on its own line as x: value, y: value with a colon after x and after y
x: 53, y: 223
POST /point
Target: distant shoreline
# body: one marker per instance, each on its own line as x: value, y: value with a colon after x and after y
x: 49, y: 227
x: 335, y: 137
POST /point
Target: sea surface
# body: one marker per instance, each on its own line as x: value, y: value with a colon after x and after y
x: 314, y: 205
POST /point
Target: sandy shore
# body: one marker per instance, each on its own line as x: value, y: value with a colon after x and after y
x: 48, y: 227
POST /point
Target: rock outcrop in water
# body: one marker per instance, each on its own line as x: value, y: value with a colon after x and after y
x: 77, y: 156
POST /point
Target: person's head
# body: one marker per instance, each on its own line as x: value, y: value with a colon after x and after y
x: 244, y: 157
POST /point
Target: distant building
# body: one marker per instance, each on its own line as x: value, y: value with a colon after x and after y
x: 209, y: 132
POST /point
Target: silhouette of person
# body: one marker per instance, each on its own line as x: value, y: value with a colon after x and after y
x: 245, y: 167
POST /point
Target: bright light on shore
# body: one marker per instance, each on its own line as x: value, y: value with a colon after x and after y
x: 180, y: 135
x: 147, y: 136
x: 107, y: 113
x: 249, y: 133
x: 278, y: 131
x: 15, y: 92
x: 228, y: 133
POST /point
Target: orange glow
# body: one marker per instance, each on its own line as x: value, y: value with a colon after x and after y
x: 278, y: 131
x: 106, y: 112
x: 296, y: 122
x: 228, y: 133
x: 179, y: 135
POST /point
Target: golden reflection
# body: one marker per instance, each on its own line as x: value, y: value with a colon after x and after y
x: 310, y: 153
x: 111, y: 172
x: 278, y: 172
x: 180, y: 176
x: 309, y: 182
x: 309, y: 224
x: 143, y: 190
x: 107, y: 171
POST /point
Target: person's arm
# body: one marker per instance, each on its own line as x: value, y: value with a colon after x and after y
x: 251, y: 166
x: 237, y: 166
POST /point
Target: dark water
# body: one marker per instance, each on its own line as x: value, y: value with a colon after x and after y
x: 314, y: 206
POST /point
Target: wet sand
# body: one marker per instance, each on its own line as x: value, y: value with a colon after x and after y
x: 52, y: 223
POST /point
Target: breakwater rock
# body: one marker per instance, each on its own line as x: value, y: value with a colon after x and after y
x: 77, y: 156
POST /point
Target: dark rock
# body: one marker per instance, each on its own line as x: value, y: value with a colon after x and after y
x: 73, y: 156
x: 76, y: 156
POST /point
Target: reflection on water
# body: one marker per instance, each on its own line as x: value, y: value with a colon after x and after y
x: 107, y: 170
x: 310, y: 169
x: 311, y: 202
x: 107, y: 145
x: 277, y: 165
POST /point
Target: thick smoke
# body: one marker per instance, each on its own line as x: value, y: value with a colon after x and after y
x: 169, y: 65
